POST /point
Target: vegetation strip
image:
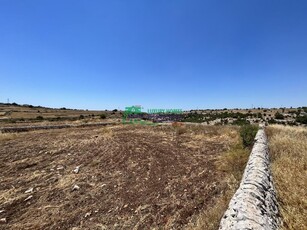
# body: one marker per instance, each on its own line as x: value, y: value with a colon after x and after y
x: 288, y: 153
x: 31, y: 128
x: 254, y: 205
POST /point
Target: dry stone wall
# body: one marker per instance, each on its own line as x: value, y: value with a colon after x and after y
x: 254, y: 205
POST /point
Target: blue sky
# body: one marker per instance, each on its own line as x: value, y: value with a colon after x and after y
x: 154, y: 53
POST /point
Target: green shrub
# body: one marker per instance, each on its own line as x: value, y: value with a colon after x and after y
x: 302, y: 119
x: 39, y: 118
x: 279, y: 116
x: 103, y: 116
x: 241, y: 122
x: 248, y: 133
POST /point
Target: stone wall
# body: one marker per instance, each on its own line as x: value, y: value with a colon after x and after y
x: 254, y: 204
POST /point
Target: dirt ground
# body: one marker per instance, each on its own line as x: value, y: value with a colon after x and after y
x: 130, y: 177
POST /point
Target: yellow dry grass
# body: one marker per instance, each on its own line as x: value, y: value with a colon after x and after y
x: 288, y: 148
x: 232, y: 163
x: 7, y: 136
x: 210, y: 218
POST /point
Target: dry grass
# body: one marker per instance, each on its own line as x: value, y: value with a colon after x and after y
x: 288, y: 148
x: 210, y: 218
x: 232, y: 163
x: 7, y: 136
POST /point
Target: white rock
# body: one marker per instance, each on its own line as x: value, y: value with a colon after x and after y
x: 60, y: 167
x: 3, y: 220
x: 30, y: 190
x: 76, y: 170
x: 1, y: 211
x: 76, y: 187
x: 87, y: 214
x: 28, y: 198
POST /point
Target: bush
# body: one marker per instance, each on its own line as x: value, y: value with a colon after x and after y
x: 81, y: 116
x: 39, y: 118
x: 241, y: 122
x: 279, y: 116
x: 272, y: 121
x: 301, y: 119
x: 103, y: 116
x: 248, y: 133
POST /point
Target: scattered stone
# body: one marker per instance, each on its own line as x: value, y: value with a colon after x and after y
x: 102, y: 227
x: 1, y: 211
x: 30, y: 190
x: 60, y: 167
x: 3, y: 220
x: 28, y: 198
x: 76, y: 187
x: 87, y: 214
x: 76, y: 170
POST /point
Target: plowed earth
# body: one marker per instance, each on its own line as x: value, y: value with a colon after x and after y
x: 130, y: 177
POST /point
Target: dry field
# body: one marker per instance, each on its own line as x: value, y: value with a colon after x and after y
x: 13, y: 115
x: 130, y: 177
x: 288, y: 148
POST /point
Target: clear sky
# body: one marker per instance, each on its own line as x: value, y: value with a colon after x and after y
x: 155, y: 53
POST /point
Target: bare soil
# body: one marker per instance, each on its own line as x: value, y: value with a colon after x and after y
x: 130, y: 177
